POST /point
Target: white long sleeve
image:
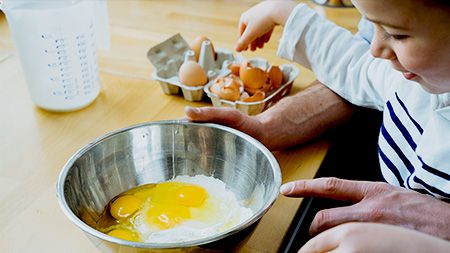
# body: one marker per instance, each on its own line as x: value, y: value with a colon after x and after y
x: 414, y: 140
x: 340, y: 61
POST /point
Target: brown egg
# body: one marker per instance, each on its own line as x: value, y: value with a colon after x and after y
x: 258, y: 96
x: 227, y: 88
x: 192, y: 74
x: 252, y: 77
x: 275, y: 76
x: 197, y: 46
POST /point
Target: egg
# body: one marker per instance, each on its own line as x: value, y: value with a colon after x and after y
x: 196, y: 46
x: 182, y: 209
x: 252, y: 77
x: 275, y: 76
x: 192, y: 74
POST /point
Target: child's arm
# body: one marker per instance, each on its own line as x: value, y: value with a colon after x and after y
x: 256, y: 24
x: 340, y: 61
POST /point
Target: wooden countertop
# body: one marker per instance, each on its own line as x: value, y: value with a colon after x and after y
x: 35, y: 144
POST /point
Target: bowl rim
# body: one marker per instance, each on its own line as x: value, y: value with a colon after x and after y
x: 93, y: 232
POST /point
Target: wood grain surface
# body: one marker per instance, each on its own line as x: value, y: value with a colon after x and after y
x: 35, y: 144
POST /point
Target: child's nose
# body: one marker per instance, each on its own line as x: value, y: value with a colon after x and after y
x: 381, y: 51
x: 380, y: 48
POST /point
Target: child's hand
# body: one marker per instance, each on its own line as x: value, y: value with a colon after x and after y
x: 374, y: 238
x: 256, y: 24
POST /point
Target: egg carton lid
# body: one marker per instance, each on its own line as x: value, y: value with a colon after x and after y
x: 168, y: 56
x: 290, y: 73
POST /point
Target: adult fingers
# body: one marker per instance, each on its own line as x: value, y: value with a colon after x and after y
x: 330, y: 187
x: 225, y: 116
x: 330, y: 218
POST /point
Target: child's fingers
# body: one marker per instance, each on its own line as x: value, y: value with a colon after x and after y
x: 323, y: 242
x: 266, y: 37
x: 245, y: 40
x: 259, y: 42
x: 242, y: 27
x: 253, y: 46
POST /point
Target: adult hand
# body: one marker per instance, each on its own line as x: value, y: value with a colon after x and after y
x: 373, y: 202
x: 374, y: 238
x: 256, y: 24
x: 229, y: 117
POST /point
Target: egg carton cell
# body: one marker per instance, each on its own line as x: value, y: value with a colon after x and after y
x: 167, y: 58
x: 290, y: 73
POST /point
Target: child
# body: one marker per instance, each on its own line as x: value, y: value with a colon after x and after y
x: 374, y: 238
x: 405, y: 73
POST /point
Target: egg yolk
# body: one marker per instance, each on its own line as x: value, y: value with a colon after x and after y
x: 124, y: 206
x: 191, y: 195
x: 171, y: 203
x: 123, y: 234
x: 162, y: 206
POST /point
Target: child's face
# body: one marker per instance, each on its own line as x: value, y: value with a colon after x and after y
x: 414, y: 37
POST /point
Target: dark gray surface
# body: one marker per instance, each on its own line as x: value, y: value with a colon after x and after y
x: 353, y: 155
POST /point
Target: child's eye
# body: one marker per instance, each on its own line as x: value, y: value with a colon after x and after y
x: 387, y: 35
x: 399, y: 37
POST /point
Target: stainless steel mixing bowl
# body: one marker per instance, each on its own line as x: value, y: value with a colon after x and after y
x: 159, y: 151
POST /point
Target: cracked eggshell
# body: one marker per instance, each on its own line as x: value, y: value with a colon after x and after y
x: 227, y: 88
x: 253, y: 77
x: 275, y: 76
x: 258, y: 96
x: 254, y: 106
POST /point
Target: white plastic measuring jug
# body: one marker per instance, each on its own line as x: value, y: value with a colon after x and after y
x: 56, y: 42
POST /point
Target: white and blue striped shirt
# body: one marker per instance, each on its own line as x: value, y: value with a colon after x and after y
x: 414, y: 140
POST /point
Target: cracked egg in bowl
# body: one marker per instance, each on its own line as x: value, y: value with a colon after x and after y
x: 168, y: 185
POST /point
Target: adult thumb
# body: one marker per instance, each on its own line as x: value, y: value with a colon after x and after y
x: 220, y: 115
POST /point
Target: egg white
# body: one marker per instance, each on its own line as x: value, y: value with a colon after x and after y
x: 225, y: 213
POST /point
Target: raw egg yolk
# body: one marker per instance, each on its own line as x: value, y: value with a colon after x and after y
x: 123, y: 234
x: 171, y: 203
x: 124, y: 206
x: 191, y: 195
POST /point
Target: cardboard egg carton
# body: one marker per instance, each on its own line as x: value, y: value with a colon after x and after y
x: 169, y: 55
x: 290, y: 73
